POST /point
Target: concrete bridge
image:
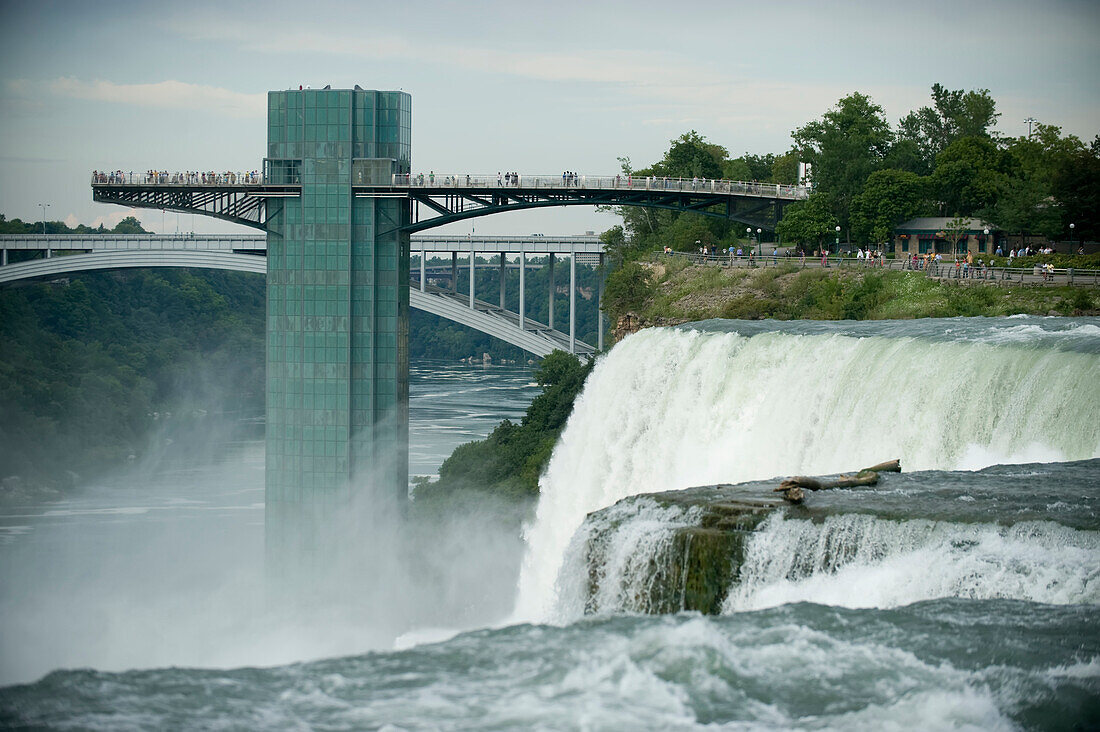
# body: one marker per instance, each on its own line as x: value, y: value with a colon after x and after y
x: 246, y: 253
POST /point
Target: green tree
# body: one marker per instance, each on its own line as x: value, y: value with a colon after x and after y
x: 971, y: 176
x: 889, y: 198
x: 808, y: 221
x: 954, y: 113
x: 1075, y: 184
x: 689, y: 156
x: 845, y: 146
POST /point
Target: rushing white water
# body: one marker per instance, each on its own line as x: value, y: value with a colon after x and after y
x: 669, y: 409
x: 863, y: 561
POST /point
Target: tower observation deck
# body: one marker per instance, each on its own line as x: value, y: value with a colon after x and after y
x: 336, y: 199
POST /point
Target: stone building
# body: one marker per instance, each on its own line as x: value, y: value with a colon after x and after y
x: 932, y: 234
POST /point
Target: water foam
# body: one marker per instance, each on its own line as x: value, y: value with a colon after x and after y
x: 862, y: 561
x: 669, y: 409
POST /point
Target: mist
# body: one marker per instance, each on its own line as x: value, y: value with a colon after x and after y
x: 163, y: 563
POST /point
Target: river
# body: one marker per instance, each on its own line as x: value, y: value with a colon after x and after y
x: 961, y: 594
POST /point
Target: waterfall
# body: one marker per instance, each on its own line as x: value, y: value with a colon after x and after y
x: 674, y: 408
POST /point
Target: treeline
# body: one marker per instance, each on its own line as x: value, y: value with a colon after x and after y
x: 941, y: 160
x: 102, y: 368
x: 128, y: 225
x: 945, y: 159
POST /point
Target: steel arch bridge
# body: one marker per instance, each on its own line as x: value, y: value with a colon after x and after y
x: 534, y: 337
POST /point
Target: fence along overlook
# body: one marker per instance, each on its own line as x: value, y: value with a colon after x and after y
x: 338, y: 202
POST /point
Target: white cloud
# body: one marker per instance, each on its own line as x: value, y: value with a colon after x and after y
x: 160, y: 95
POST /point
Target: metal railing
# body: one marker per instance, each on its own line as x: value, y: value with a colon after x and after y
x: 1035, y: 275
x: 186, y: 178
x: 602, y: 182
x: 431, y: 180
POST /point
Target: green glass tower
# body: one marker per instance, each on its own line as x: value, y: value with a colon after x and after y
x: 337, y: 301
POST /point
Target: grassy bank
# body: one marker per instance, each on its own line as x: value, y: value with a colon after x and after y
x: 676, y: 291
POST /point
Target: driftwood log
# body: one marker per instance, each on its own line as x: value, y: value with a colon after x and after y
x: 794, y: 488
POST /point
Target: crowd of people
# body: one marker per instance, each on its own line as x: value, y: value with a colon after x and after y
x: 190, y: 177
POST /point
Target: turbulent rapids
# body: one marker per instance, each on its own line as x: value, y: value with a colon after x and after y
x: 730, y: 402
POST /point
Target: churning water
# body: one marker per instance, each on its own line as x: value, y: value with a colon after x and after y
x: 961, y: 594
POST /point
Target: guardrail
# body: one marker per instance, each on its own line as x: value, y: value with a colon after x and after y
x: 610, y: 182
x: 187, y: 178
x: 1035, y: 275
x: 431, y: 180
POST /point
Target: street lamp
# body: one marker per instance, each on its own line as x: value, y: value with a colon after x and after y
x: 1071, y: 227
x: 985, y: 239
x: 1030, y: 121
x: 43, y: 206
x: 759, y: 251
x: 838, y: 240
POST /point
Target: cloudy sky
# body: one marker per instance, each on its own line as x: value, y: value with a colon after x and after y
x: 532, y: 87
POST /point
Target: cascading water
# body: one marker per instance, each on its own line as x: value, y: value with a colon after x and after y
x: 673, y: 408
x: 856, y: 560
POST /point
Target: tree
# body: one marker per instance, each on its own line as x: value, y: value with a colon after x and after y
x: 954, y: 114
x: 809, y: 220
x: 129, y: 225
x: 970, y: 177
x: 956, y: 230
x: 690, y: 156
x: 889, y: 198
x: 1075, y: 185
x: 845, y: 146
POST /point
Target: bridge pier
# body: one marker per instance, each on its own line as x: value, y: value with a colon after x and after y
x: 454, y: 272
x: 522, y: 293
x: 502, y: 274
x: 572, y: 299
x: 473, y: 258
x: 550, y: 319
x: 423, y: 270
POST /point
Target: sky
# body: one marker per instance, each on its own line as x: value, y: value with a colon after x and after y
x: 536, y: 88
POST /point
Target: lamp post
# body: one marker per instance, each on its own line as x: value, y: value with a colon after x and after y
x: 1071, y: 227
x: 43, y: 206
x: 748, y: 235
x: 838, y: 240
x: 1030, y: 121
x: 759, y: 251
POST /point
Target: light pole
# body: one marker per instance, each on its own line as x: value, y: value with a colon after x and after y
x: 1071, y: 227
x: 985, y: 234
x: 1030, y: 121
x: 748, y: 236
x: 43, y: 206
x: 838, y: 240
x: 759, y: 251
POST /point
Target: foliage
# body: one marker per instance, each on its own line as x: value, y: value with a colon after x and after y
x: 845, y: 146
x: 888, y: 198
x: 929, y: 130
x: 809, y: 221
x: 128, y: 225
x: 971, y: 176
x: 91, y: 366
x: 1075, y: 182
x: 956, y: 230
x: 627, y: 288
x: 510, y: 460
